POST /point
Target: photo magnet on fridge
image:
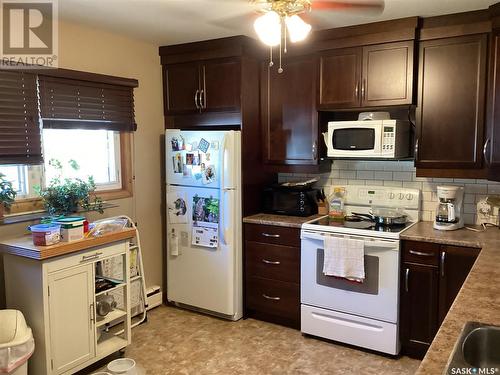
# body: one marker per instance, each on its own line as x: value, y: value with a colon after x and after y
x: 177, y: 162
x: 208, y: 175
x: 203, y: 145
x: 177, y: 143
x: 177, y: 208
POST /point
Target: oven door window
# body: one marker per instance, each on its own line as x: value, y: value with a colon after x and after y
x: 361, y: 139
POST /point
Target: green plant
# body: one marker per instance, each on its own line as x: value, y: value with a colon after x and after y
x: 7, y: 192
x: 65, y: 195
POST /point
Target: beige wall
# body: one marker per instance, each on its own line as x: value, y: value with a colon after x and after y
x: 93, y: 50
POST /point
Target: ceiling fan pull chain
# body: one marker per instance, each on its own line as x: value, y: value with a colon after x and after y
x: 285, y: 36
x: 271, y: 63
x: 280, y: 69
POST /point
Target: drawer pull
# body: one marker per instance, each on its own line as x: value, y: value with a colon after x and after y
x: 271, y: 235
x: 419, y: 253
x: 271, y: 298
x: 270, y: 262
x: 86, y: 258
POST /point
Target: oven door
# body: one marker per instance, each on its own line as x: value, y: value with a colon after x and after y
x: 376, y: 297
x: 355, y: 139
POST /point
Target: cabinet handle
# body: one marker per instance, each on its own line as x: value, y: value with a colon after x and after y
x: 419, y: 253
x: 485, y: 151
x: 271, y: 298
x: 92, y: 312
x: 86, y: 258
x: 271, y: 235
x: 315, y: 150
x: 270, y: 262
x: 202, y: 99
x: 196, y: 99
x: 407, y: 276
x: 416, y: 150
x: 356, y: 90
x: 363, y: 89
x: 443, y: 259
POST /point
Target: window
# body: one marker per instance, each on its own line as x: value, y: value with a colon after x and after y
x: 83, y: 123
x: 17, y: 174
x: 96, y: 153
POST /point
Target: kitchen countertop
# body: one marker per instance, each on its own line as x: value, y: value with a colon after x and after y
x: 478, y: 300
x: 279, y: 220
x: 23, y: 246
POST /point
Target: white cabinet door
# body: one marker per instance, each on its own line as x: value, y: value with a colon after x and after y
x: 72, y: 332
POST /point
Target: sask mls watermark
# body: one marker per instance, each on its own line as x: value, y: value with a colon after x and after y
x: 29, y: 34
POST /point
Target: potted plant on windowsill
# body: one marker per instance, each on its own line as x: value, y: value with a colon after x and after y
x: 7, y: 194
x: 65, y: 196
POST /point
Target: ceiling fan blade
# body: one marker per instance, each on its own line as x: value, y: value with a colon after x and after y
x: 364, y: 5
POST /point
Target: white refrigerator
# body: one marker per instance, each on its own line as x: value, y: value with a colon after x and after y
x: 204, y: 234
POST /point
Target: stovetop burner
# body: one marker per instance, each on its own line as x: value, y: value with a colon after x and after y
x: 355, y: 222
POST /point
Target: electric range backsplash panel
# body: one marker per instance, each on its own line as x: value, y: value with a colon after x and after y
x: 401, y: 174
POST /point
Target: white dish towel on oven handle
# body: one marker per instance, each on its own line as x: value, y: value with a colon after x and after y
x: 345, y: 258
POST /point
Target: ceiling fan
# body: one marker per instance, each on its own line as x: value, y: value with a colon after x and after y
x: 281, y: 20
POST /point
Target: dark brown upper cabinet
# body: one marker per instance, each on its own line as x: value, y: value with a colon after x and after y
x: 370, y: 76
x: 205, y: 86
x: 289, y: 118
x: 340, y: 73
x: 492, y: 144
x: 451, y: 102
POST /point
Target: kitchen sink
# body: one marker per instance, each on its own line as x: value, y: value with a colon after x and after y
x: 477, y: 347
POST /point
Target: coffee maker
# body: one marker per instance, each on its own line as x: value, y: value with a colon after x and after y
x: 449, y: 211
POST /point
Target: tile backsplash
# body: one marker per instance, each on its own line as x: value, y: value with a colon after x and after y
x: 401, y: 174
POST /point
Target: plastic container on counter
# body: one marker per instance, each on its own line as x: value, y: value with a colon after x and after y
x: 72, y: 228
x: 45, y: 234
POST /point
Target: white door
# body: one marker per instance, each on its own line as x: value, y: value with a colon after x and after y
x: 199, y: 275
x: 195, y: 158
x: 71, y: 317
x: 376, y: 297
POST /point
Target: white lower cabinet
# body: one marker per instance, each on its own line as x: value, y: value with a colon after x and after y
x: 71, y: 317
x: 58, y: 299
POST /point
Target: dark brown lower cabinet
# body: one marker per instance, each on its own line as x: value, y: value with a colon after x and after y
x: 272, y: 274
x: 419, y: 307
x: 456, y: 263
x: 431, y: 277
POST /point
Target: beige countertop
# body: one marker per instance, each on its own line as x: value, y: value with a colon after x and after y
x: 279, y: 220
x: 479, y: 298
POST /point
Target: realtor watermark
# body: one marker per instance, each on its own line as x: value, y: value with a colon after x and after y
x: 29, y: 34
x: 473, y: 370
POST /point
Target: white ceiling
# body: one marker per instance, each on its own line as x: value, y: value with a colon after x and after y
x: 166, y: 22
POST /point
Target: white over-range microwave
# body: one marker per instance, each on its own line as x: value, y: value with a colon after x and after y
x: 368, y: 139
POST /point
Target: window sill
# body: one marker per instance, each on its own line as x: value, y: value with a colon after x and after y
x: 26, y: 217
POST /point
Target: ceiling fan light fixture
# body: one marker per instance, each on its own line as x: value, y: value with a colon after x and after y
x: 298, y: 30
x: 268, y: 28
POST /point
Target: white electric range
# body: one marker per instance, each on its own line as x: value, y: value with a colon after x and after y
x: 365, y: 314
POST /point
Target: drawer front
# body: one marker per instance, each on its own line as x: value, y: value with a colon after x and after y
x: 272, y: 261
x: 87, y: 256
x: 421, y: 252
x: 273, y: 297
x: 272, y: 234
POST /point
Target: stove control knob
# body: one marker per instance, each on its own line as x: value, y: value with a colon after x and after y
x: 392, y: 195
x: 409, y: 196
x: 401, y: 196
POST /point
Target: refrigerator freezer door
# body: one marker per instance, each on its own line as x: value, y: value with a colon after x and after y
x: 200, y: 276
x: 195, y: 158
